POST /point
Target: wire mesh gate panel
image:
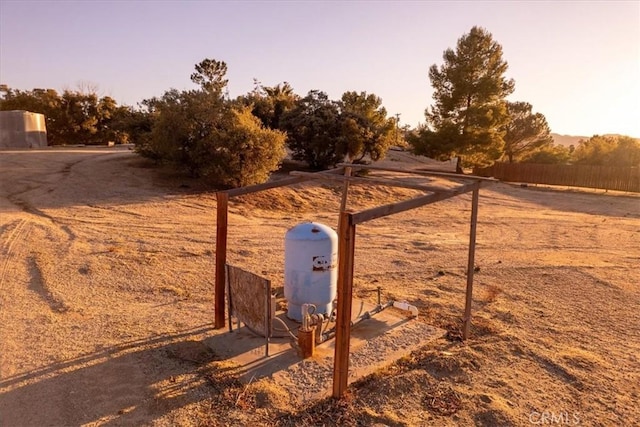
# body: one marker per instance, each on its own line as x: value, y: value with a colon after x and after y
x: 249, y: 297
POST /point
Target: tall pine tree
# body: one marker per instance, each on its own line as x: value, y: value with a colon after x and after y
x: 526, y: 132
x: 469, y: 112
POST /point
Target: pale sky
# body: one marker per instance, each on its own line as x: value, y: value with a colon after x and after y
x: 576, y: 62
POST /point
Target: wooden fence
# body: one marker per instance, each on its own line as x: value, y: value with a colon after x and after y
x: 605, y: 177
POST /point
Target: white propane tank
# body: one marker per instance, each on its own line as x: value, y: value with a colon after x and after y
x: 310, y: 268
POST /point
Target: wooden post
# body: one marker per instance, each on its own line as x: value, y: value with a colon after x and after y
x: 221, y: 257
x: 345, y: 190
x: 345, y: 194
x: 346, y: 250
x: 471, y: 262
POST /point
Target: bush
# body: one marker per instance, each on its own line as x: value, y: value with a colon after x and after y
x: 314, y: 131
x: 553, y: 154
x: 242, y: 151
x: 199, y: 133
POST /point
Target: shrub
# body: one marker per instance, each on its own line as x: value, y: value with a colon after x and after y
x: 242, y: 151
x: 199, y: 133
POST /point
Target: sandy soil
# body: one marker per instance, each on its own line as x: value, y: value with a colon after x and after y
x: 106, y: 296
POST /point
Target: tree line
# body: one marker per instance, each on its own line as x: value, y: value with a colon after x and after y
x: 73, y: 116
x: 234, y: 142
x: 240, y: 141
x: 472, y: 120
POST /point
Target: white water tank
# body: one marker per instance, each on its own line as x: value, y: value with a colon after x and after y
x: 310, y: 268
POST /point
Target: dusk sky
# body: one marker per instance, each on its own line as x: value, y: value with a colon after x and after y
x: 576, y: 62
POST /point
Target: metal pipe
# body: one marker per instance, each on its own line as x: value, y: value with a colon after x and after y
x: 286, y: 328
x: 403, y: 305
x: 325, y: 336
x: 305, y: 317
x: 370, y: 313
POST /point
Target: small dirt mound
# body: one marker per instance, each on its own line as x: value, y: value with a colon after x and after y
x: 316, y: 196
x: 269, y: 395
x: 447, y: 365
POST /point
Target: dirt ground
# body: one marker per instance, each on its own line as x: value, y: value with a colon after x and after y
x: 106, y: 299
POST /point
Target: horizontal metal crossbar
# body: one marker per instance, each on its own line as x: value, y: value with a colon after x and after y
x: 419, y: 172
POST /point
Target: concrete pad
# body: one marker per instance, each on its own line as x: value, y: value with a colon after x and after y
x: 375, y: 343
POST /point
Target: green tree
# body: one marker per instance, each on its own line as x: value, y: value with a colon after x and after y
x: 209, y: 75
x: 43, y: 101
x: 548, y: 154
x: 366, y: 129
x: 525, y: 132
x: 131, y: 125
x: 85, y: 117
x: 469, y: 112
x: 242, y: 151
x: 269, y: 104
x: 608, y: 150
x: 627, y: 152
x: 182, y: 122
x: 37, y: 100
x: 281, y: 98
x: 314, y: 130
x: 74, y: 117
x: 201, y: 133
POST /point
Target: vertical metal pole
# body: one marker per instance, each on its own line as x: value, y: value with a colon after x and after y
x: 267, y: 321
x: 221, y: 257
x: 227, y: 288
x: 346, y: 249
x: 471, y: 262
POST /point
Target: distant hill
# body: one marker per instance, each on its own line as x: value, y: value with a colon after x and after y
x: 567, y: 140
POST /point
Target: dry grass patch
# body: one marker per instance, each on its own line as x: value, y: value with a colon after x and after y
x: 491, y: 292
x: 581, y: 359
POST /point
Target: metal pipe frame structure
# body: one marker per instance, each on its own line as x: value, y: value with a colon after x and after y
x: 346, y: 240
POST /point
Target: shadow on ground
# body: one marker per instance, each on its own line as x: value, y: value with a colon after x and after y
x: 128, y: 384
x: 55, y: 178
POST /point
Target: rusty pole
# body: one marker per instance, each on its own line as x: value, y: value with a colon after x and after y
x: 346, y: 250
x: 221, y: 257
x: 471, y: 263
x: 345, y: 195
